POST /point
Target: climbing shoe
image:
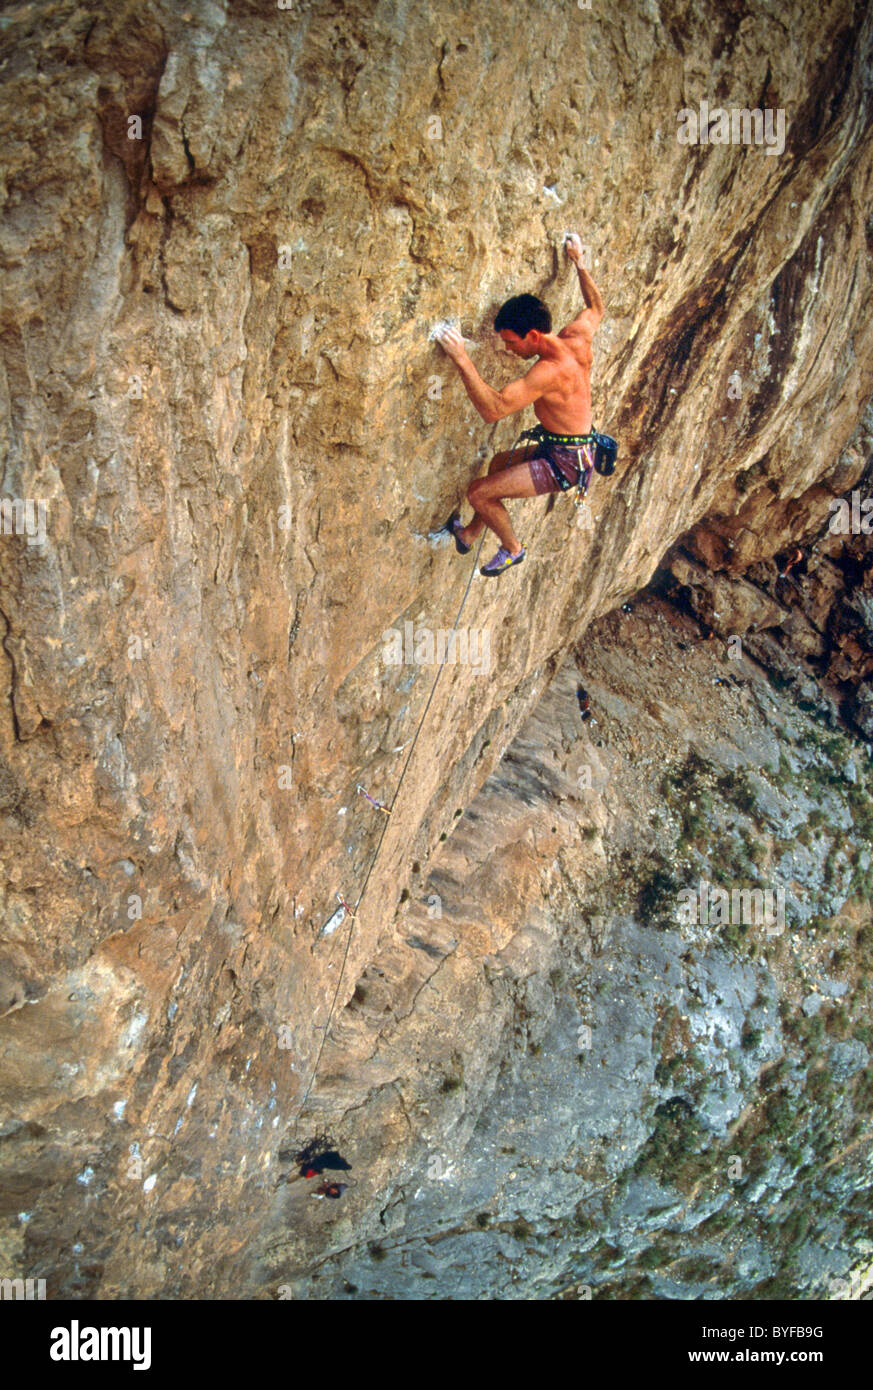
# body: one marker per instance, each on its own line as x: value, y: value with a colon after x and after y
x: 503, y: 560
x: 454, y: 525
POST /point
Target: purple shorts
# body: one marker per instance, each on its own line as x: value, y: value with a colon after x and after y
x: 567, y: 461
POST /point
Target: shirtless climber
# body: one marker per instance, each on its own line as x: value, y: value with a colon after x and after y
x: 559, y: 388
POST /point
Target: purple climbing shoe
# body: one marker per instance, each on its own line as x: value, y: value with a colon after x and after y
x: 454, y: 526
x: 503, y: 560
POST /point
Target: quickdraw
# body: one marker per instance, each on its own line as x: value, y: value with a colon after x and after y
x: 372, y: 800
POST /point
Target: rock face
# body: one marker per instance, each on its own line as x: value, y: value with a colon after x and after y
x: 807, y: 613
x: 226, y: 232
x: 621, y: 1100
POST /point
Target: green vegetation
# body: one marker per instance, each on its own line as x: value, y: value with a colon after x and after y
x: 783, y: 775
x: 781, y: 1118
x: 654, y: 1257
x: 688, y: 778
x: 793, y: 1232
x: 521, y: 1229
x: 839, y: 1023
x: 658, y: 894
x: 736, y: 788
x: 672, y: 1152
x: 697, y: 1268
x: 721, y: 1220
x: 861, y: 806
x: 751, y: 1037
x: 665, y: 1070
x: 799, y: 1113
x: 735, y: 934
x: 862, y: 883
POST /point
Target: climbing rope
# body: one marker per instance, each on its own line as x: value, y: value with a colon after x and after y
x: 353, y: 914
x: 388, y: 809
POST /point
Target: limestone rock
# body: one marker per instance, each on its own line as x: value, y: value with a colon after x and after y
x: 227, y: 229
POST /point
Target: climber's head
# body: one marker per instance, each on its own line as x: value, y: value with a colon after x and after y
x: 521, y: 323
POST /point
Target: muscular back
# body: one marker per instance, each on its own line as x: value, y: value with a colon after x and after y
x: 565, y: 406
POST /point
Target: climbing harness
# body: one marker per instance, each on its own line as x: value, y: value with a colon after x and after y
x: 573, y: 443
x: 593, y: 451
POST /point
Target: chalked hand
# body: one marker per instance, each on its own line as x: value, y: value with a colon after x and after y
x: 573, y: 247
x: 451, y: 342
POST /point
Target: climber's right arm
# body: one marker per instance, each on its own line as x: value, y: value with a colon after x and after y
x: 589, y: 320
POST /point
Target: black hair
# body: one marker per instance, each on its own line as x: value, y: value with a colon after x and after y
x: 523, y: 313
